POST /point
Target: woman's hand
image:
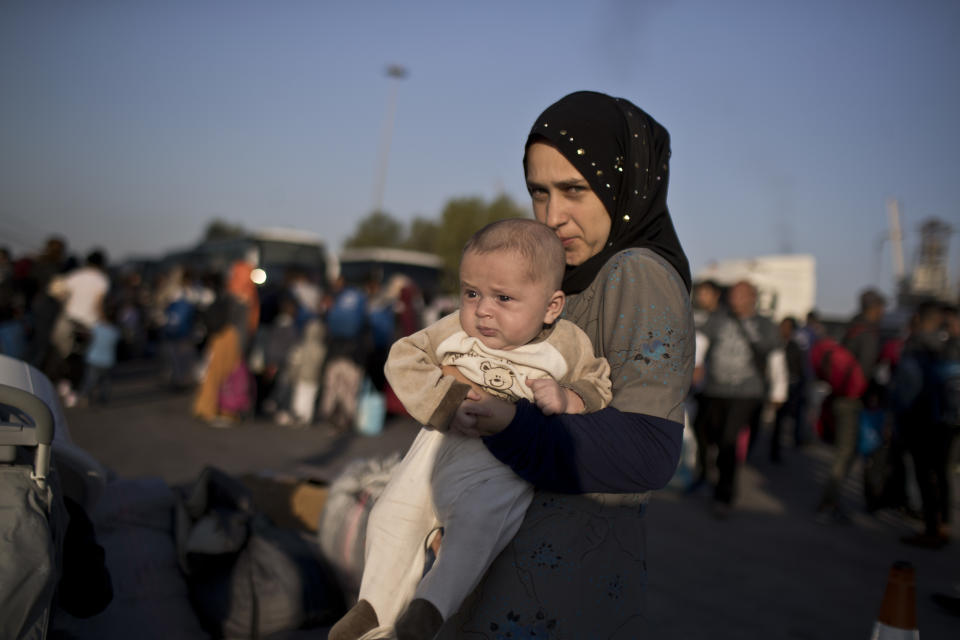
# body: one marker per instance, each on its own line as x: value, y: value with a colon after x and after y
x: 482, y: 415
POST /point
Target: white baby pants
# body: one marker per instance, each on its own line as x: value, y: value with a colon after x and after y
x: 450, y: 481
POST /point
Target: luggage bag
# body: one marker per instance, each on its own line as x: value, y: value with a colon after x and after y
x: 34, y: 517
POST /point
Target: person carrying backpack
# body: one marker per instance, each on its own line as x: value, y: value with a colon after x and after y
x: 347, y: 349
x: 840, y: 415
x: 863, y: 337
x: 179, y: 350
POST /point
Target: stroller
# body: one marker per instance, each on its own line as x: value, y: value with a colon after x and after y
x: 34, y: 519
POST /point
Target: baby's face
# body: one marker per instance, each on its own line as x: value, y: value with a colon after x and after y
x: 500, y: 304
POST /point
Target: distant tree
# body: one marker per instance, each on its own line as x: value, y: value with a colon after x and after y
x: 461, y: 217
x: 503, y: 207
x: 218, y: 229
x: 378, y: 229
x: 422, y: 235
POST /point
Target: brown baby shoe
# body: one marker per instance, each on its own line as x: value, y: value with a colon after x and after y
x: 354, y: 623
x: 420, y: 621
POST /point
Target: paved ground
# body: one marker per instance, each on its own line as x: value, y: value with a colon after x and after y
x: 769, y: 571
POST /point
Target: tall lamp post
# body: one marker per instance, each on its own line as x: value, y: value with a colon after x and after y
x: 396, y: 72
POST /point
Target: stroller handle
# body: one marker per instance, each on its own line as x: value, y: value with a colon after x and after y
x: 36, y: 409
x: 13, y: 435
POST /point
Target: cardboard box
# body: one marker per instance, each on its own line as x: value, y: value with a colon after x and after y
x: 287, y: 500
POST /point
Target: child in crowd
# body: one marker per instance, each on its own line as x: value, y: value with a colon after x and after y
x: 179, y: 347
x: 305, y: 365
x: 346, y: 324
x: 507, y: 340
x: 275, y: 341
x: 101, y: 356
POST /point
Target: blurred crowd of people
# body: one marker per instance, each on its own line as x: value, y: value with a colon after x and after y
x: 879, y: 390
x: 55, y: 313
x: 308, y: 352
x: 297, y: 353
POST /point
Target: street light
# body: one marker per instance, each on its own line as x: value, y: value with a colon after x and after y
x: 397, y: 72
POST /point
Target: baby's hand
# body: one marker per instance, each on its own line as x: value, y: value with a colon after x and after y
x: 482, y: 415
x: 551, y: 398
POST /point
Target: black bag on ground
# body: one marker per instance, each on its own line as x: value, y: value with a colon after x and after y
x: 248, y: 578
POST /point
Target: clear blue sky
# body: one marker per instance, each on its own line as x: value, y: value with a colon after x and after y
x: 131, y: 124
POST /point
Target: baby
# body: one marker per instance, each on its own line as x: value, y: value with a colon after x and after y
x: 507, y: 340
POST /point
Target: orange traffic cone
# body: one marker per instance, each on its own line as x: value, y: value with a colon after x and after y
x: 898, y: 613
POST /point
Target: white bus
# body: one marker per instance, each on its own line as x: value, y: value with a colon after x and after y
x: 425, y: 269
x: 273, y: 252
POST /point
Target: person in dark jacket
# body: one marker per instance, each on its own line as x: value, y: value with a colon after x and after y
x: 792, y: 412
x: 864, y: 340
x: 917, y: 402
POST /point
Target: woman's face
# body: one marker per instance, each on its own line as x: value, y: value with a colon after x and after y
x: 564, y: 201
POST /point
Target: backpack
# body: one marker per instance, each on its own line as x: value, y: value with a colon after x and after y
x: 382, y: 325
x: 347, y: 317
x: 837, y: 366
x: 927, y: 386
x: 179, y: 316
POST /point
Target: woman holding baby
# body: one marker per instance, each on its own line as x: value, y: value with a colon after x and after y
x: 597, y: 169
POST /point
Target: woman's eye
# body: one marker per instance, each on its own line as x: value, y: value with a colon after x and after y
x: 537, y: 193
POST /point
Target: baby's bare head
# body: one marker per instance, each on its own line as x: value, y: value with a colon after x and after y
x: 533, y: 242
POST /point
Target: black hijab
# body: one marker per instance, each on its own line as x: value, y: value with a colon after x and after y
x: 624, y: 154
